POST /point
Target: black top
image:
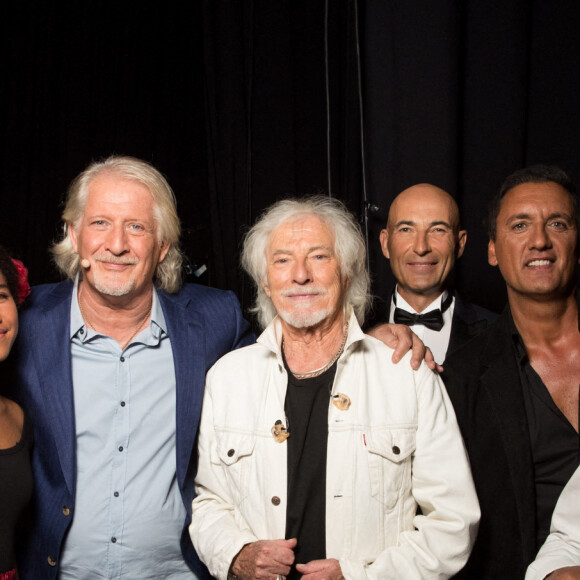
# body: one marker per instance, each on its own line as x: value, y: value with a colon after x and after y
x: 306, y: 409
x: 15, y: 491
x: 555, y: 444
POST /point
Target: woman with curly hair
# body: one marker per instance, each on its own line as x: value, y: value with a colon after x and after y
x: 15, y: 427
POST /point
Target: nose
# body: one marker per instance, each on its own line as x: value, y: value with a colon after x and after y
x: 301, y: 272
x: 539, y: 238
x: 421, y: 244
x: 117, y: 241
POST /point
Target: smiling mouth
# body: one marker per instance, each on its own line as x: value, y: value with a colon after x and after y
x: 534, y: 263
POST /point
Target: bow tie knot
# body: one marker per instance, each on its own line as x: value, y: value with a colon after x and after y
x: 432, y: 320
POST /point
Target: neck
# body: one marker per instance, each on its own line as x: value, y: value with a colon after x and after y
x: 307, y: 349
x: 544, y: 321
x: 115, y: 316
x: 418, y: 301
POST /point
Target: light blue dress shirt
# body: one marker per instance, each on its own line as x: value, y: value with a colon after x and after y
x: 128, y: 514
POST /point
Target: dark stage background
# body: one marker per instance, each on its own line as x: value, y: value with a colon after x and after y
x: 240, y: 103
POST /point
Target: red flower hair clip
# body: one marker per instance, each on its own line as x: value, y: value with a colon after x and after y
x: 23, y: 289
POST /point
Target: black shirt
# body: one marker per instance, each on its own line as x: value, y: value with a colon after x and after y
x: 15, y: 491
x: 555, y: 444
x: 306, y: 409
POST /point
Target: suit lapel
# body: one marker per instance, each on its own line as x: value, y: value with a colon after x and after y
x: 503, y: 384
x: 53, y: 361
x: 464, y: 325
x: 186, y: 332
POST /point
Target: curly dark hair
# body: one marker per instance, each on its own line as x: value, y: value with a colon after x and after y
x: 9, y: 272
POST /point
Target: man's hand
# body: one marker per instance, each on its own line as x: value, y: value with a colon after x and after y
x: 567, y: 573
x: 264, y: 559
x: 321, y: 570
x: 402, y: 338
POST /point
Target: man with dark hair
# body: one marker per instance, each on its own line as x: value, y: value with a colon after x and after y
x: 515, y: 387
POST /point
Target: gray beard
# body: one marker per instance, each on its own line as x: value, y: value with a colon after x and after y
x: 304, y: 319
x: 112, y: 289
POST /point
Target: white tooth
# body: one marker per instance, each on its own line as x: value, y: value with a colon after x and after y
x: 539, y: 263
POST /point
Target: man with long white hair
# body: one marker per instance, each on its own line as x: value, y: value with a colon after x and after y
x: 315, y: 450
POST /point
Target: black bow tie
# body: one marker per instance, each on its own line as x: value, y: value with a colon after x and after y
x: 432, y: 319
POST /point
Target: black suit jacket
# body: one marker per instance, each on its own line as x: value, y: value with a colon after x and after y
x: 483, y: 382
x: 468, y: 320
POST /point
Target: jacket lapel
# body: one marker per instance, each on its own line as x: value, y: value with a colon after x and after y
x: 465, y: 324
x: 502, y: 381
x: 53, y: 362
x: 186, y: 332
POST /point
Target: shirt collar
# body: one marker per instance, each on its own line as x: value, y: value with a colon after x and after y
x: 78, y: 327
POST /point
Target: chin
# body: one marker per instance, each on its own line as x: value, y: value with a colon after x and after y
x: 304, y: 319
x: 115, y: 288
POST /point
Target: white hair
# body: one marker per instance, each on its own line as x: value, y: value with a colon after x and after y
x: 349, y: 247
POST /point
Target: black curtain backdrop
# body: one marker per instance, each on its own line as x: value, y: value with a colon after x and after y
x: 240, y: 103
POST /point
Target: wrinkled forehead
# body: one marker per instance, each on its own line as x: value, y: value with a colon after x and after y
x: 423, y: 206
x: 547, y: 198
x: 299, y: 231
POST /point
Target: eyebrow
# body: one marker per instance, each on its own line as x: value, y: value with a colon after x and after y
x: 311, y: 249
x: 431, y: 224
x: 527, y: 216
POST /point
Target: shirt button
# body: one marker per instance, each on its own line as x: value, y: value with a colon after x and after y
x: 121, y: 448
x: 114, y: 540
x: 116, y: 494
x: 122, y: 359
x: 66, y: 511
x: 276, y: 500
x: 231, y: 452
x: 122, y: 403
x: 51, y: 561
x: 396, y: 450
x: 82, y: 331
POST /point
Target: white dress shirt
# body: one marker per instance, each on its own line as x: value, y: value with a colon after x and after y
x: 437, y: 341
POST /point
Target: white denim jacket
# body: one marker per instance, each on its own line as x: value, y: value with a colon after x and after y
x: 397, y: 446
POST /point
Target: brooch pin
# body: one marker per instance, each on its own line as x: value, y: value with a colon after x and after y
x: 341, y: 401
x: 280, y: 432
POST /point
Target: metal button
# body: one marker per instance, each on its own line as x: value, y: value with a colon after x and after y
x: 276, y: 500
x: 51, y: 561
x: 66, y: 511
x: 231, y: 453
x: 396, y: 450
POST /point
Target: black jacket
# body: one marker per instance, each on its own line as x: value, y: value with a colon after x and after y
x: 483, y: 382
x: 468, y: 320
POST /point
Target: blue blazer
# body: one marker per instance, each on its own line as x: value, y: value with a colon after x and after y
x: 203, y: 324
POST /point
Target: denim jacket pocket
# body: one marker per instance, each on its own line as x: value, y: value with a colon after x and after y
x: 234, y: 453
x: 389, y: 459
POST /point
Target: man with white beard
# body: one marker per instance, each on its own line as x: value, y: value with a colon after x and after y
x: 315, y: 450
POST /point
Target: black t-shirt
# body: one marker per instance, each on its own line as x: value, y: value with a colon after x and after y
x: 306, y: 409
x: 15, y: 491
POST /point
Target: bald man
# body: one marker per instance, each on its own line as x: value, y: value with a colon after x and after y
x: 422, y: 241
